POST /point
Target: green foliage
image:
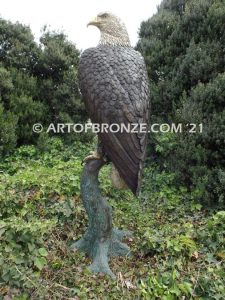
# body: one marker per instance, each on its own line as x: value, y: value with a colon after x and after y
x: 8, y: 122
x: 20, y: 252
x: 57, y: 69
x: 206, y: 164
x: 166, y: 287
x: 18, y: 48
x: 5, y: 82
x: 39, y: 196
x: 183, y: 45
x: 38, y: 84
x: 178, y: 248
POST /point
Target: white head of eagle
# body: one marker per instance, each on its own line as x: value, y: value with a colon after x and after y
x: 113, y: 30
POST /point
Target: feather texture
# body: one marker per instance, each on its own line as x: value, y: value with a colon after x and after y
x: 114, y: 84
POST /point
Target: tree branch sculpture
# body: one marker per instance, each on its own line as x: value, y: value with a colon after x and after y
x: 100, y: 241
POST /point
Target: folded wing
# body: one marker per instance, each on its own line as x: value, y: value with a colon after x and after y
x: 114, y: 84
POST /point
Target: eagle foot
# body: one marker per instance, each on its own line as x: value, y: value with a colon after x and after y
x: 92, y: 156
x: 95, y: 155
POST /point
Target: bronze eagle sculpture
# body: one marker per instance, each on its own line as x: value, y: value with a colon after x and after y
x: 114, y: 84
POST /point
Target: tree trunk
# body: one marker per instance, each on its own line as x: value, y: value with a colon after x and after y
x: 100, y: 240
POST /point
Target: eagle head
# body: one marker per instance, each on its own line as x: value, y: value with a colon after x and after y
x: 113, y: 30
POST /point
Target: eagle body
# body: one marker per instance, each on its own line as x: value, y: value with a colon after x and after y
x: 114, y: 84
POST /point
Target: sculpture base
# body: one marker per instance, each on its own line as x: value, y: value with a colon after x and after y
x: 100, y: 241
x: 100, y: 251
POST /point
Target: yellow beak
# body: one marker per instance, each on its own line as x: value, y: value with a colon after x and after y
x: 94, y: 22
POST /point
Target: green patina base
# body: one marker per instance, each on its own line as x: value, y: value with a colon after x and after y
x: 100, y: 241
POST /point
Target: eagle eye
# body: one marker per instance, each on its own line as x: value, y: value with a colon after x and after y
x: 105, y: 15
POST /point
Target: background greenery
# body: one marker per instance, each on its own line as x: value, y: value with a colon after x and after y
x: 183, y: 45
x: 178, y: 220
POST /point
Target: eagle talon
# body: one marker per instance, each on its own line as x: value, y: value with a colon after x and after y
x: 94, y: 155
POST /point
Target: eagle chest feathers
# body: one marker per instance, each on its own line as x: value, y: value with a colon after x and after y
x: 114, y: 84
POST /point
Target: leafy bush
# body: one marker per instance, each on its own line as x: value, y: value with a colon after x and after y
x: 8, y: 138
x: 183, y: 48
x: 31, y: 207
x: 166, y: 286
x: 22, y: 252
x: 38, y: 84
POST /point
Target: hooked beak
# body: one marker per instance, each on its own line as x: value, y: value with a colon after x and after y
x: 94, y: 22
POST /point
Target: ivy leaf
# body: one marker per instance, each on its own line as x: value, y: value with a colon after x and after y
x: 2, y: 230
x: 40, y: 262
x: 43, y: 251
